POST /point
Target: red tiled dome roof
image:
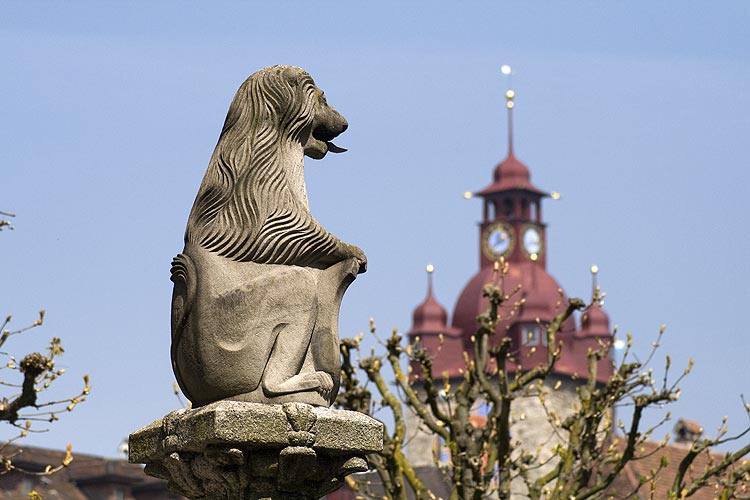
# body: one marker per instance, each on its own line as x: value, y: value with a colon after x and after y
x: 594, y: 321
x: 430, y: 316
x: 511, y: 174
x: 540, y: 291
x: 430, y: 330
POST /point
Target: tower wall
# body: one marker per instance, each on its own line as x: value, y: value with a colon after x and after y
x: 530, y: 428
x: 421, y: 444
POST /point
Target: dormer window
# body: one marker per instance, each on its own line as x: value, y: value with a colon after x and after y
x: 533, y: 335
x: 530, y: 336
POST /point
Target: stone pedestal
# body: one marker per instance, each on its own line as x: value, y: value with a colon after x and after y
x: 231, y: 450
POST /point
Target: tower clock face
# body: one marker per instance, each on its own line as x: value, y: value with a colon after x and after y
x: 498, y: 241
x: 532, y: 240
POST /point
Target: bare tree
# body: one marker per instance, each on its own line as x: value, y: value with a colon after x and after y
x: 23, y: 407
x: 592, y: 449
x: 5, y: 223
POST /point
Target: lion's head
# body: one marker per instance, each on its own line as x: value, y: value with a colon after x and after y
x: 252, y: 203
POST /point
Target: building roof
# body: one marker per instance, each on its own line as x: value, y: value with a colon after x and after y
x: 628, y: 483
x: 626, y: 486
x: 430, y: 317
x: 511, y: 174
x: 87, y: 477
x: 595, y: 322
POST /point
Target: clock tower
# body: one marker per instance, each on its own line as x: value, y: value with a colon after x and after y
x: 512, y: 229
x: 512, y: 225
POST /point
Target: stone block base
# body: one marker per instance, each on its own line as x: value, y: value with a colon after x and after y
x: 231, y: 450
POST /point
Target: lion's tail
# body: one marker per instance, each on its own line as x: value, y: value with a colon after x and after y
x: 183, y: 297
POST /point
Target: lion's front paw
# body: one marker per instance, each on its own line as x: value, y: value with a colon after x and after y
x: 359, y: 254
x: 324, y: 380
x: 325, y: 384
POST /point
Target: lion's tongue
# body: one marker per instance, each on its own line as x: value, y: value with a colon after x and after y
x: 332, y: 148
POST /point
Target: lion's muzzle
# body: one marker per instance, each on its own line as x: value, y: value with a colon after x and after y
x: 327, y: 125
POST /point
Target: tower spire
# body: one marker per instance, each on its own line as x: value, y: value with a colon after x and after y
x: 430, y: 269
x: 510, y: 94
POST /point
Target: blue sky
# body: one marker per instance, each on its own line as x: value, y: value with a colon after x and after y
x: 638, y: 113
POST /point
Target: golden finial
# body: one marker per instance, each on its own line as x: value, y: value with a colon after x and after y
x: 430, y: 268
x: 555, y: 196
x: 468, y: 195
x: 595, y: 291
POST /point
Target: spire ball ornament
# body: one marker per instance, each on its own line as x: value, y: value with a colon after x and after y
x: 505, y: 69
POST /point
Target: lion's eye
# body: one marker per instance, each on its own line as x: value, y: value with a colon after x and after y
x: 323, y: 98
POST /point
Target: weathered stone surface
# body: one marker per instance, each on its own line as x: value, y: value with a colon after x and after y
x: 257, y: 291
x: 258, y: 286
x: 237, y: 450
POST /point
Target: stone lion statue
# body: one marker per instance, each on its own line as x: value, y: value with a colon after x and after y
x: 258, y: 286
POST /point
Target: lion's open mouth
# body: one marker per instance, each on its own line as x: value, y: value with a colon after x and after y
x: 327, y: 125
x: 316, y: 148
x: 323, y: 134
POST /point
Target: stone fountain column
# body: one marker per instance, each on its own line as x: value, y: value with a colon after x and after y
x: 232, y: 450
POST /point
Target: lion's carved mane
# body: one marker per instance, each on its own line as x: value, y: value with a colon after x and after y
x: 252, y: 205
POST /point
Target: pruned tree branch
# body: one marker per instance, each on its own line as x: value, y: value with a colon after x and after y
x: 587, y: 450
